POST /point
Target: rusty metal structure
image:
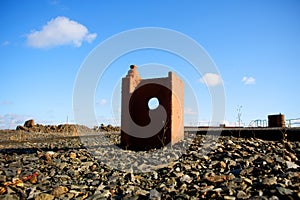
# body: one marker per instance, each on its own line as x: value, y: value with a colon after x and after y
x: 143, y: 128
x: 276, y: 120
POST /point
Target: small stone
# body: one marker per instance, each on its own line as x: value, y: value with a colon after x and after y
x: 229, y: 142
x: 206, y: 157
x: 9, y: 190
x: 74, y: 192
x: 155, y: 195
x: 48, y: 155
x: 242, y: 195
x: 61, y: 166
x: 229, y: 197
x: 287, y: 158
x: 71, y: 195
x: 58, y: 191
x: 186, y: 178
x: 207, y: 188
x: 218, y: 190
x: 18, y: 182
x: 177, y: 169
x: 94, y: 167
x: 284, y: 191
x: 155, y: 175
x: 73, y: 155
x: 216, y: 179
x: 291, y: 165
x: 273, y: 198
x: 33, y: 179
x: 2, y: 178
x: 142, y: 192
x: 10, y: 197
x: 264, y: 163
x: 44, y: 196
x: 247, y: 180
x: 270, y: 181
x: 51, y: 153
x: 245, y: 153
x: 269, y: 160
x: 19, y: 170
x: 293, y: 156
x: 222, y: 164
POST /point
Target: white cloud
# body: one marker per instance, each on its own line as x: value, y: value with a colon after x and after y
x: 102, y: 102
x: 211, y: 79
x: 6, y: 102
x: 60, y: 31
x: 5, y: 43
x: 248, y: 80
x: 108, y: 120
x: 189, y: 111
x: 11, y: 121
x: 54, y: 2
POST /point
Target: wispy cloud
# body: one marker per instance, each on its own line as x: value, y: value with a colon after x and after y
x: 211, y: 79
x: 6, y: 102
x: 189, y: 111
x: 102, y: 102
x: 11, y: 121
x: 54, y: 2
x: 60, y: 31
x: 58, y: 4
x: 248, y: 80
x: 108, y: 120
x: 5, y: 43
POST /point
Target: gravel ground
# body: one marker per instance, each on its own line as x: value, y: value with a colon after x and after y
x: 223, y: 168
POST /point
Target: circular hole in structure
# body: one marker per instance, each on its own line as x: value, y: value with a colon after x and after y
x: 153, y: 103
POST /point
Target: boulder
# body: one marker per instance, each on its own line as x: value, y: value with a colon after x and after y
x: 21, y: 128
x: 29, y: 123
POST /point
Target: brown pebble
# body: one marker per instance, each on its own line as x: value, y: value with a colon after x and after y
x: 58, y: 191
x: 44, y: 196
x: 33, y: 179
x: 48, y: 157
x: 222, y: 164
x: 73, y: 155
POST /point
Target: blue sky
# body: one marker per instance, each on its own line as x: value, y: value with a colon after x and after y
x: 255, y: 45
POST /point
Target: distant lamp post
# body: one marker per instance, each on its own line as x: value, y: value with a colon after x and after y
x: 239, y: 115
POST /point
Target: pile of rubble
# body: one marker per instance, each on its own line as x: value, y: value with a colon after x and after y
x: 232, y: 168
x: 108, y: 128
x: 30, y: 126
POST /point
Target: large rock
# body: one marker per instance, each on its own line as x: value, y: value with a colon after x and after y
x: 29, y: 123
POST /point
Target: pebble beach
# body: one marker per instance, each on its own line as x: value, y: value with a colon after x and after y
x: 61, y: 166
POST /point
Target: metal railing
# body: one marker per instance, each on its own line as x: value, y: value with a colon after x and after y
x: 292, y: 122
x: 258, y: 123
x: 264, y: 123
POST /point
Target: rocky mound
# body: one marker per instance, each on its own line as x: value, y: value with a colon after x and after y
x: 108, y: 128
x: 30, y: 126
